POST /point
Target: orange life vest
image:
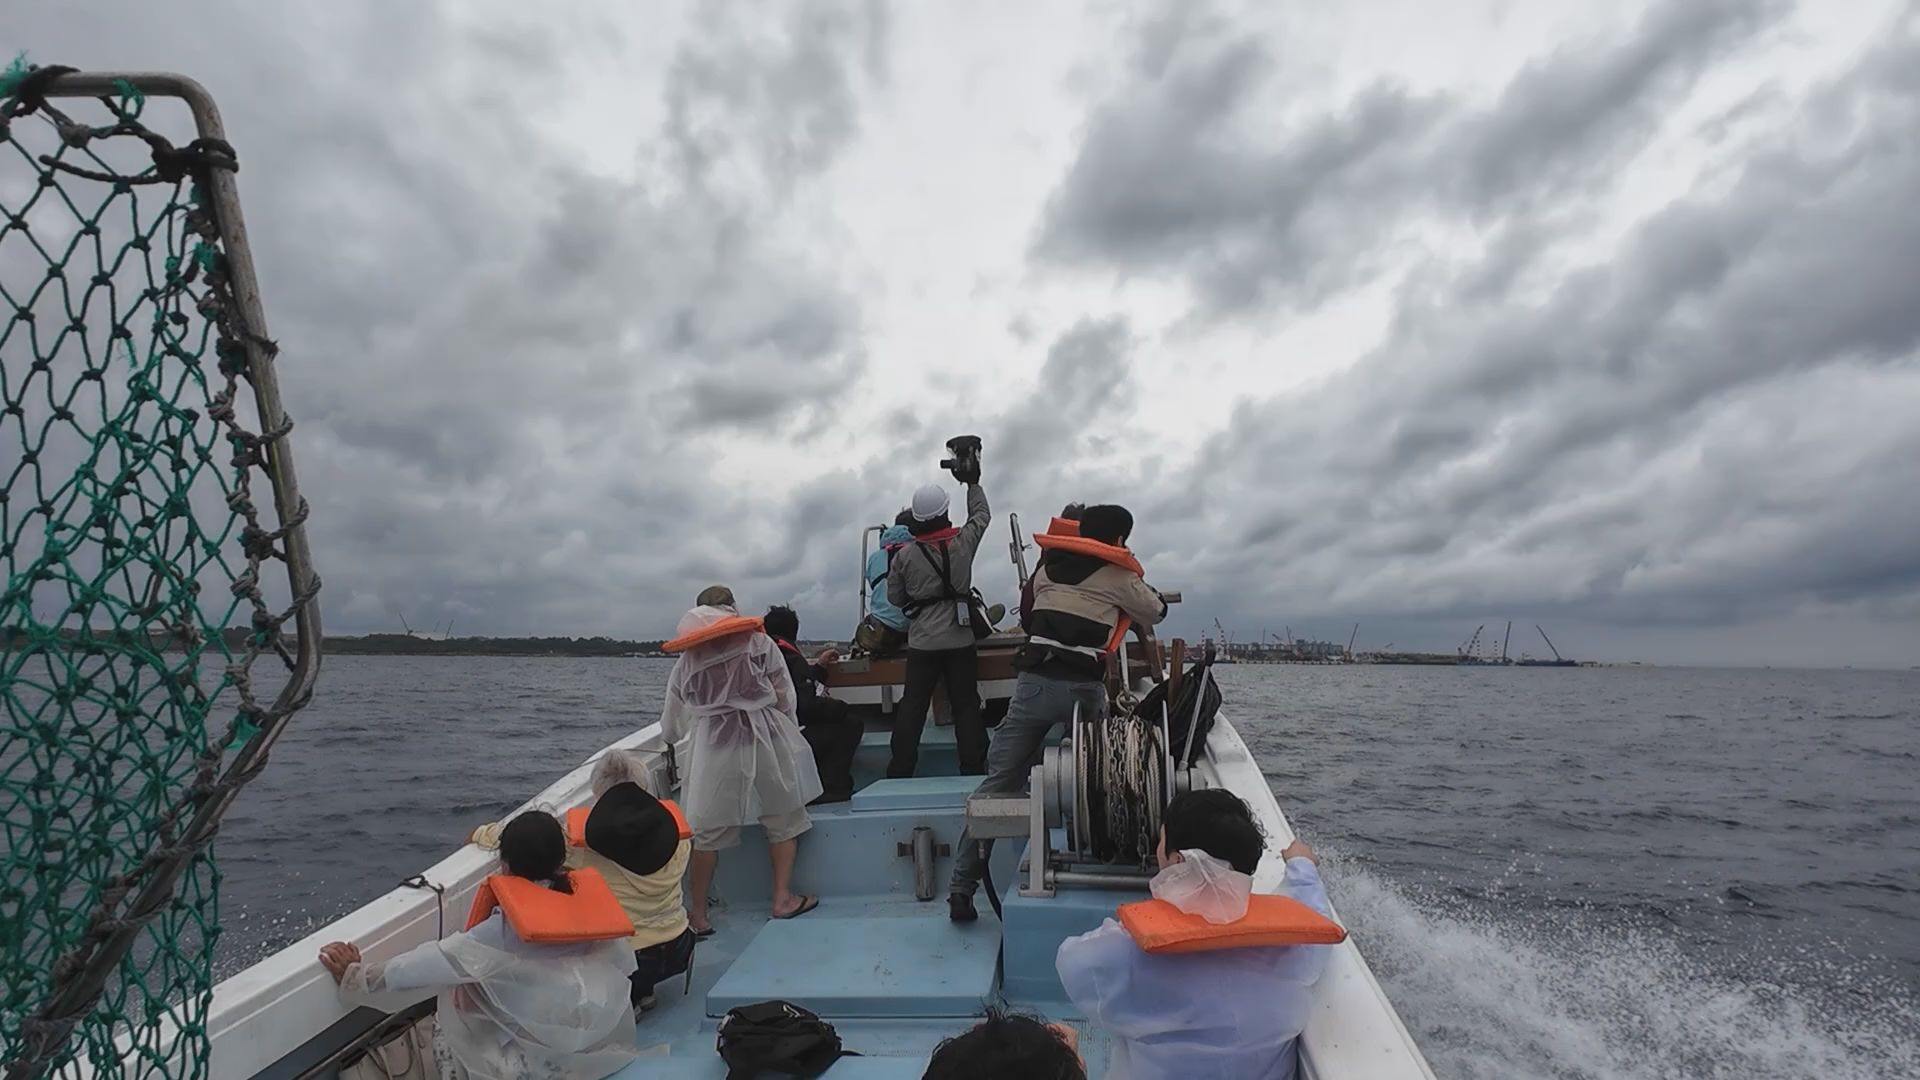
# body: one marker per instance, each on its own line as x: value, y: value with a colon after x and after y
x: 1063, y: 527
x: 1111, y: 554
x: 577, y: 822
x: 1160, y: 928
x: 1080, y: 545
x: 736, y: 624
x: 588, y: 913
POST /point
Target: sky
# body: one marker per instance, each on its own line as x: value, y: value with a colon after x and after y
x: 1416, y: 316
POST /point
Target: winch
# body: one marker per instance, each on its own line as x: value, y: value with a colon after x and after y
x: 1104, y: 787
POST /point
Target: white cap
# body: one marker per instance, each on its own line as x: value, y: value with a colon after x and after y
x: 929, y: 502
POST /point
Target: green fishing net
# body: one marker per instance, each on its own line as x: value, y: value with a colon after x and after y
x: 147, y: 568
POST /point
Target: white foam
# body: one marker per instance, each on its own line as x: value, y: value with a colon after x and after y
x: 1564, y: 996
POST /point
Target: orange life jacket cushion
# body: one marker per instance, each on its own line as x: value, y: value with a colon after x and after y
x: 1080, y: 545
x: 588, y: 913
x: 1063, y: 527
x: 727, y: 627
x: 1160, y: 928
x: 577, y: 822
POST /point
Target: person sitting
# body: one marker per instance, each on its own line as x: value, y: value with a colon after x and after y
x: 1231, y: 1012
x: 884, y: 631
x: 509, y: 1003
x: 827, y: 723
x: 731, y: 703
x: 1008, y: 1046
x: 1086, y: 590
x: 632, y: 839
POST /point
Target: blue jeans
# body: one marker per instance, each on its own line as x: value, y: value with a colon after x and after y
x: 1038, y: 704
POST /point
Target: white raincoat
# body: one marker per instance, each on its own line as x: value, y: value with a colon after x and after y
x: 1232, y: 1014
x: 730, y: 709
x: 510, y: 1009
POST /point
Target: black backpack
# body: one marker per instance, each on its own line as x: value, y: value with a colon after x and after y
x: 1187, y: 727
x: 777, y: 1037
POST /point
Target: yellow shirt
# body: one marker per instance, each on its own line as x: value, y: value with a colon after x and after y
x: 654, y: 902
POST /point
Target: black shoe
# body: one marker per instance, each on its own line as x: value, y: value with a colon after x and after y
x: 960, y: 908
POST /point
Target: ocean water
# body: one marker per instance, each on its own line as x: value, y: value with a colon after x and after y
x: 1587, y: 874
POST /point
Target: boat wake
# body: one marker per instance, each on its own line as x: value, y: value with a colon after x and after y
x: 1534, y: 994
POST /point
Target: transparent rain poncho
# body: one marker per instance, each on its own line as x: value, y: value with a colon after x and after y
x: 1202, y: 885
x: 509, y: 1008
x: 1232, y: 1014
x: 730, y: 712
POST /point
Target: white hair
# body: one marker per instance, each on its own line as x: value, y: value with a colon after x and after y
x: 619, y: 767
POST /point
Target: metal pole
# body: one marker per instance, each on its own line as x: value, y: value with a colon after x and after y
x: 864, y: 583
x: 1098, y: 881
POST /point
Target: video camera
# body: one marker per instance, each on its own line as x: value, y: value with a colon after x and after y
x: 965, y: 462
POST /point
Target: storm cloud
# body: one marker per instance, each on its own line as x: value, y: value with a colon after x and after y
x: 583, y: 310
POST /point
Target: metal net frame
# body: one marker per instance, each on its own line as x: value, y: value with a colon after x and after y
x: 153, y: 540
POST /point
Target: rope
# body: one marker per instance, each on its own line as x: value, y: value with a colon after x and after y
x: 134, y: 608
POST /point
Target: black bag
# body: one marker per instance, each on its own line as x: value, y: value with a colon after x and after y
x: 777, y: 1037
x: 1186, y: 729
x: 976, y: 604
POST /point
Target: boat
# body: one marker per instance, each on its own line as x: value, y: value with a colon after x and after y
x: 879, y: 958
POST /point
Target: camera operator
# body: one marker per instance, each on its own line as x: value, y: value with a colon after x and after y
x: 931, y: 580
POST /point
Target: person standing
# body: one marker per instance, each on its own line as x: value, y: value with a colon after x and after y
x: 932, y: 581
x: 1087, y: 592
x: 731, y: 701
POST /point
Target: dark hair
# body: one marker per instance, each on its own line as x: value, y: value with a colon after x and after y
x: 1106, y: 523
x: 1218, y: 823
x: 1006, y: 1046
x: 922, y: 528
x: 534, y: 846
x: 1072, y: 511
x: 904, y: 517
x: 781, y: 622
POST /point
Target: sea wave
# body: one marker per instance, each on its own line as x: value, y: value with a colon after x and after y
x: 1516, y: 994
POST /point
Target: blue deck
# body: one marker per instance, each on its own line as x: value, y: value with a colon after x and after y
x: 891, y: 973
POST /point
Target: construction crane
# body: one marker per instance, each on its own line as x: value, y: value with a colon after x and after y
x: 1350, y: 640
x: 1504, y: 640
x: 1226, y: 640
x: 1471, y: 648
x: 1556, y: 652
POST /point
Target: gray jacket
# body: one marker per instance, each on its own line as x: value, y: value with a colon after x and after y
x: 914, y: 576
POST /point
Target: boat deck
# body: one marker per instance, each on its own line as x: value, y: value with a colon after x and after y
x: 890, y: 972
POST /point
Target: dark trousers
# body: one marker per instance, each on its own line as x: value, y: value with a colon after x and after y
x: 662, y: 961
x: 925, y: 669
x: 834, y: 734
x: 1039, y: 705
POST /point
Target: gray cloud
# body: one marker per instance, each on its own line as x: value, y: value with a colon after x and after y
x: 504, y: 361
x: 495, y: 353
x: 1168, y: 180
x: 1712, y: 425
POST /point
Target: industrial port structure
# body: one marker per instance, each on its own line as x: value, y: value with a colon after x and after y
x: 1476, y: 651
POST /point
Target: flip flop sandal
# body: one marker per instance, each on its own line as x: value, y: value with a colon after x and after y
x: 806, y: 904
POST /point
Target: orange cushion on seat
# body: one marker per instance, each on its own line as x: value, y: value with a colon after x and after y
x: 1159, y: 928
